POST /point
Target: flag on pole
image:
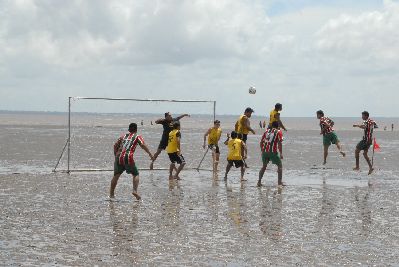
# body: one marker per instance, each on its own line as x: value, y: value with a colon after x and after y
x: 376, y: 146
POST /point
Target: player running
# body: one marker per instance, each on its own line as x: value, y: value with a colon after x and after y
x: 271, y: 145
x: 329, y: 136
x: 214, y: 134
x: 368, y: 126
x: 174, y: 151
x: 124, y: 149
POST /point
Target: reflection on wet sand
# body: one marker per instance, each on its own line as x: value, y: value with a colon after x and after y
x: 236, y: 207
x: 124, y: 225
x: 270, y: 212
x: 326, y: 217
x: 362, y: 204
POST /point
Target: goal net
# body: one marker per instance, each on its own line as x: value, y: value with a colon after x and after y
x: 94, y: 124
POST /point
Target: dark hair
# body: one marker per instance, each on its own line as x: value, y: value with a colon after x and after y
x: 248, y: 109
x: 366, y: 113
x: 233, y: 134
x: 275, y: 124
x: 176, y: 124
x: 133, y: 127
x: 278, y: 106
x: 166, y: 114
x: 320, y: 112
x: 216, y: 121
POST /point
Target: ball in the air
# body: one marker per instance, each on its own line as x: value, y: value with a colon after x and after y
x: 252, y: 90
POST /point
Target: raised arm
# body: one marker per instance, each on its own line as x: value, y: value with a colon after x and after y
x: 227, y: 140
x: 182, y: 116
x: 160, y: 121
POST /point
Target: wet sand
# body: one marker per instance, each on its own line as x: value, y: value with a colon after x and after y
x: 61, y: 219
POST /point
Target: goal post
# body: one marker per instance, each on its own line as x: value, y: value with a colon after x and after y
x: 67, y: 146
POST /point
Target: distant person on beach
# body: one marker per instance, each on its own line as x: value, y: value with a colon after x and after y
x: 260, y: 124
x: 329, y: 136
x: 392, y: 127
x: 237, y: 151
x: 271, y: 145
x: 243, y: 125
x: 214, y: 134
x: 141, y: 123
x: 124, y: 149
x: 167, y: 124
x: 368, y: 126
x: 174, y: 151
x: 275, y: 116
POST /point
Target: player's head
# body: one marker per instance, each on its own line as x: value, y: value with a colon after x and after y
x: 319, y: 114
x: 216, y: 123
x: 365, y: 115
x: 248, y: 112
x: 233, y: 134
x: 176, y: 125
x: 278, y: 107
x: 275, y: 124
x: 133, y: 127
x: 168, y: 116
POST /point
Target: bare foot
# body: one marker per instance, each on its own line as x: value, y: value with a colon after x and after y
x: 259, y: 184
x: 343, y: 154
x: 325, y: 162
x: 177, y: 177
x: 171, y: 177
x: 137, y: 196
x: 356, y: 169
x: 371, y: 171
x: 243, y: 179
x: 225, y: 178
x: 151, y: 165
x: 281, y: 184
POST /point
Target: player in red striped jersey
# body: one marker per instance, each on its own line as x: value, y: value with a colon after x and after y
x: 124, y: 149
x: 329, y: 136
x: 270, y: 145
x: 368, y: 126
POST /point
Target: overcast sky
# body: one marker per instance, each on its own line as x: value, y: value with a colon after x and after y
x: 341, y: 56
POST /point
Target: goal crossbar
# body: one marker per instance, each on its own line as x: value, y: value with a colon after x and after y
x: 68, y: 142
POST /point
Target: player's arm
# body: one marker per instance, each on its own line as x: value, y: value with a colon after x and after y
x: 205, y: 135
x: 182, y: 116
x: 117, y: 145
x: 178, y: 143
x: 227, y: 140
x: 248, y: 125
x: 277, y: 116
x: 362, y: 126
x: 145, y: 148
x: 262, y: 141
x: 160, y: 121
x: 280, y: 145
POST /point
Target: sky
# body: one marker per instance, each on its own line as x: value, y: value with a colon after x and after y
x: 341, y: 56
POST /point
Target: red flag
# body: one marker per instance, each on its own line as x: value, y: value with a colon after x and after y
x: 376, y: 146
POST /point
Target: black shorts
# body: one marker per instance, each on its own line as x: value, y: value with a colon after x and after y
x: 163, y: 144
x: 174, y: 158
x: 214, y: 148
x: 244, y: 137
x: 236, y: 163
x: 363, y: 145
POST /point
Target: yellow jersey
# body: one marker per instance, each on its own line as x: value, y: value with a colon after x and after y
x: 240, y: 126
x: 234, y: 147
x: 273, y: 116
x: 214, y: 136
x: 172, y: 141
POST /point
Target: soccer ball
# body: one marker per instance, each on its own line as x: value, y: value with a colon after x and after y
x: 252, y: 90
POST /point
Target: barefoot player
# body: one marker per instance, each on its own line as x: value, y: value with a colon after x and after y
x: 237, y: 152
x: 214, y: 134
x: 329, y: 136
x: 124, y: 149
x: 174, y: 151
x: 368, y: 126
x: 271, y: 145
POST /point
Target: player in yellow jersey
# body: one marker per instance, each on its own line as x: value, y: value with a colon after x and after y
x: 243, y: 125
x: 174, y: 151
x: 237, y: 152
x: 214, y: 134
x: 275, y: 116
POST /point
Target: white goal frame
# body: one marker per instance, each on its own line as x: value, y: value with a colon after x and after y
x: 67, y: 145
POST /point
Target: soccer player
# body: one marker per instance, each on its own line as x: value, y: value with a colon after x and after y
x: 174, y: 151
x: 237, y: 151
x: 368, y: 126
x: 243, y: 126
x: 214, y: 134
x: 167, y: 124
x: 329, y: 136
x: 271, y: 145
x: 124, y: 149
x: 275, y: 116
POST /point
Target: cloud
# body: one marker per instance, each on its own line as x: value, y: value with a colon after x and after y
x: 370, y: 36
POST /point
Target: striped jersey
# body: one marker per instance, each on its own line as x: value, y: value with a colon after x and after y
x: 326, y: 125
x: 125, y: 146
x: 369, y: 125
x: 270, y: 140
